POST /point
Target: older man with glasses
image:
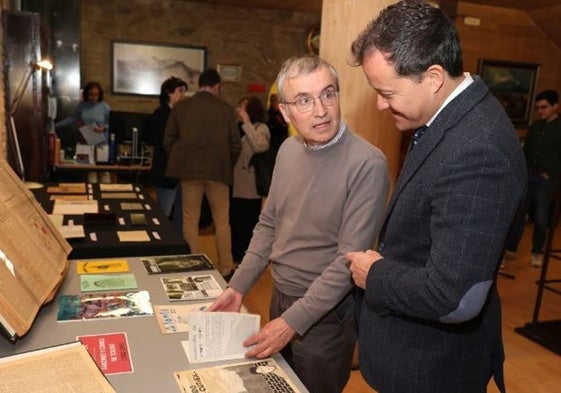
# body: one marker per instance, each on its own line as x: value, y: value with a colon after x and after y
x: 327, y: 197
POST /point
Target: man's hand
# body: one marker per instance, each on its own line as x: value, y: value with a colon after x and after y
x: 360, y: 265
x: 229, y: 300
x: 270, y: 340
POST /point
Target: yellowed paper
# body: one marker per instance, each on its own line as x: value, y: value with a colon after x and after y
x: 133, y: 236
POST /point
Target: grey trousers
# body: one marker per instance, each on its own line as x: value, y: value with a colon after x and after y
x: 322, y: 357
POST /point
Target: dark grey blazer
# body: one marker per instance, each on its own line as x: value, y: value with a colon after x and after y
x: 430, y: 320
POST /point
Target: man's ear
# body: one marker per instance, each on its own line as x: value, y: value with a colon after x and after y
x: 284, y: 111
x: 436, y: 75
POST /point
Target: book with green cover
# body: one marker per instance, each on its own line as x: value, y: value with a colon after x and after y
x: 107, y: 282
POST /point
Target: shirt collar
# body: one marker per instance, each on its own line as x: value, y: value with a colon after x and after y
x: 468, y: 80
x: 333, y: 141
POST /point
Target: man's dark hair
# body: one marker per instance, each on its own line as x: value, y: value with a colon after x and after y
x: 550, y: 96
x: 209, y: 77
x: 92, y: 85
x: 168, y: 87
x: 413, y: 35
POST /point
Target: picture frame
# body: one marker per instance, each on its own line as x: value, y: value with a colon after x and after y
x: 229, y: 72
x: 513, y: 83
x: 139, y: 68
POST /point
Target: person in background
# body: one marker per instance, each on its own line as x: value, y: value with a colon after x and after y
x: 167, y: 190
x: 542, y: 149
x: 245, y: 204
x: 430, y: 319
x: 327, y: 197
x: 203, y: 145
x: 278, y: 127
x: 91, y: 110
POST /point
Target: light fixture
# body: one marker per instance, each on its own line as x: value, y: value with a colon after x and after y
x: 20, y: 91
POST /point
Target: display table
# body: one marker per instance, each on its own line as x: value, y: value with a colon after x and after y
x: 155, y: 356
x: 101, y: 239
x: 94, y: 172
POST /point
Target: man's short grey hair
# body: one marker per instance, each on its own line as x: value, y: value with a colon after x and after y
x: 302, y: 65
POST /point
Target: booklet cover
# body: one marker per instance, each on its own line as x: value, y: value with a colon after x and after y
x: 107, y: 282
x: 104, y: 305
x: 177, y: 264
x: 191, y: 287
x: 106, y: 266
x: 261, y: 376
x: 174, y: 318
x: 110, y: 352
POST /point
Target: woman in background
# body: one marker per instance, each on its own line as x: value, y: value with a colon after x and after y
x: 92, y: 110
x: 245, y: 205
x: 167, y: 190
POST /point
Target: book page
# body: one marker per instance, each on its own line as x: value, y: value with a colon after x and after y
x: 219, y: 335
x: 260, y: 376
x: 33, y: 371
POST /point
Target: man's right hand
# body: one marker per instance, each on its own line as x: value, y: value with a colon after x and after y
x: 229, y: 300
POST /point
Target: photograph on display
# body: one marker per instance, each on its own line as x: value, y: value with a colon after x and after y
x: 191, y: 287
x: 177, y: 263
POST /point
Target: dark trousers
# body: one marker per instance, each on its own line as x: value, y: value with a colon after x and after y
x: 244, y: 215
x: 538, y: 201
x: 322, y: 357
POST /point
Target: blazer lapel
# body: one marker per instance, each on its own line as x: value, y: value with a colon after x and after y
x: 446, y: 119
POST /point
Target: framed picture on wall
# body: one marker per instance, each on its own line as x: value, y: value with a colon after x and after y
x: 513, y: 84
x: 140, y: 68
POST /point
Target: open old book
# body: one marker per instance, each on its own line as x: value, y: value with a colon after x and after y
x: 41, y: 365
x: 33, y: 255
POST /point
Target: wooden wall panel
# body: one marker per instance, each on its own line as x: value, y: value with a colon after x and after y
x: 341, y: 23
x: 511, y: 35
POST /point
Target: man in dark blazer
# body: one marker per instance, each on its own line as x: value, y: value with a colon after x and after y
x: 430, y: 320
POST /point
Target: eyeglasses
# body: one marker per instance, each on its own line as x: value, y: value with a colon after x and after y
x: 305, y: 103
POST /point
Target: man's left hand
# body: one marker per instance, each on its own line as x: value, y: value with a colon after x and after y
x: 271, y: 339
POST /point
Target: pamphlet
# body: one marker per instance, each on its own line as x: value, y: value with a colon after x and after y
x: 138, y: 219
x: 191, y: 287
x: 133, y: 236
x: 115, y: 187
x: 75, y: 207
x: 174, y: 318
x: 104, y: 305
x: 110, y: 352
x: 177, y: 263
x: 105, y: 266
x: 90, y: 136
x: 215, y: 336
x: 118, y: 195
x: 107, y: 282
x: 131, y: 206
x: 260, y: 376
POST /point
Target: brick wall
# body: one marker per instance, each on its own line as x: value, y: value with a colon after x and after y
x: 259, y: 40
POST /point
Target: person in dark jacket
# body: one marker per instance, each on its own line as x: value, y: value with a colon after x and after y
x: 167, y: 189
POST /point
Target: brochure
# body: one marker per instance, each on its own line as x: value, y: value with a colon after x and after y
x: 107, y: 282
x: 104, y: 305
x: 191, y: 287
x: 110, y: 352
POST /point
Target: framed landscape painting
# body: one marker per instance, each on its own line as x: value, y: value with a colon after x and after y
x: 140, y: 68
x: 514, y: 86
